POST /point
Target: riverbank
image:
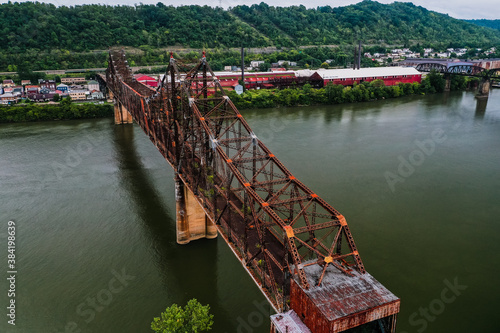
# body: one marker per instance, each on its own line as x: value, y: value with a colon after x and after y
x: 252, y: 99
x: 338, y: 94
x: 65, y: 110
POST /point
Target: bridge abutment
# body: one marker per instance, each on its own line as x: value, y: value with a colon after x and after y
x: 191, y: 220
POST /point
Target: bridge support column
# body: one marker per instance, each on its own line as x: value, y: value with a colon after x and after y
x: 180, y: 208
x: 484, y: 89
x: 122, y: 116
x: 447, y: 86
x: 191, y: 220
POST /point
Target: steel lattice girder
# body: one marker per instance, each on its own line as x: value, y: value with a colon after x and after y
x: 277, y: 225
x: 429, y: 66
x: 467, y: 70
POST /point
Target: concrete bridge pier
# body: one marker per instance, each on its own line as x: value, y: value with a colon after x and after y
x: 447, y: 86
x: 191, y: 220
x: 122, y: 116
x: 484, y: 88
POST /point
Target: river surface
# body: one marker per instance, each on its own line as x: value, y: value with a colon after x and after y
x: 418, y: 179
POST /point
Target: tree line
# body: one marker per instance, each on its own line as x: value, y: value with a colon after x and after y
x: 338, y: 94
x: 64, y: 110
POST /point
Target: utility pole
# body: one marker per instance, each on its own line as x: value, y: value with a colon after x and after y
x: 243, y: 66
x: 359, y: 55
x: 355, y: 60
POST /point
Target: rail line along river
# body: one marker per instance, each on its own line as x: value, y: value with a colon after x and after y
x: 417, y: 178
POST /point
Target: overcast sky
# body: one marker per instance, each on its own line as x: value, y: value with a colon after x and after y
x: 462, y: 9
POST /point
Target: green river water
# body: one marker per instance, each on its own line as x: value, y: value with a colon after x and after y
x: 417, y: 178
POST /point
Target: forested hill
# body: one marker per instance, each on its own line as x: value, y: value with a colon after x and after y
x: 495, y: 24
x: 81, y: 28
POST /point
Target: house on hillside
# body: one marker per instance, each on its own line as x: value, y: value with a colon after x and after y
x: 70, y: 80
x: 281, y: 63
x: 10, y: 98
x: 38, y: 97
x: 95, y: 94
x: 31, y: 89
x: 8, y: 90
x: 63, y: 87
x: 256, y: 63
x: 8, y: 83
x: 25, y: 82
x: 49, y: 84
x: 18, y: 89
x: 92, y: 85
x: 78, y: 95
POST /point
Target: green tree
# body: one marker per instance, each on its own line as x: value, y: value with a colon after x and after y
x: 458, y: 82
x: 264, y: 67
x: 66, y: 103
x: 56, y: 98
x: 436, y: 81
x: 193, y: 318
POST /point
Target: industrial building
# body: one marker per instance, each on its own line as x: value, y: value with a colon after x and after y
x: 319, y: 77
x: 348, y: 77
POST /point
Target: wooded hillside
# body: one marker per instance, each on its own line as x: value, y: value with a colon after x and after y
x: 494, y: 24
x: 83, y: 28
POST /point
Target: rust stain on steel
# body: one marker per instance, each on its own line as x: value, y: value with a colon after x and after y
x: 341, y: 302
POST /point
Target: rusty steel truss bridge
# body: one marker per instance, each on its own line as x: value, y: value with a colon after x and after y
x: 487, y: 75
x: 296, y: 247
x: 462, y: 69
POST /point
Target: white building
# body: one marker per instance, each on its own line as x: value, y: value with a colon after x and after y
x: 290, y: 63
x: 349, y: 76
x: 93, y: 85
x: 256, y: 63
x: 10, y: 98
x: 78, y: 95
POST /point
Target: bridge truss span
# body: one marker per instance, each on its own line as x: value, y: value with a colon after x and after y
x: 276, y: 226
x: 460, y: 69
